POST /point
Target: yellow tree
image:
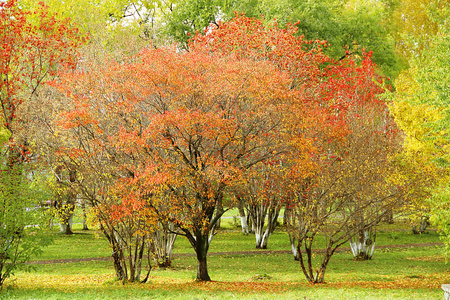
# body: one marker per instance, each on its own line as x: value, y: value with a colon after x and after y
x: 421, y: 107
x: 412, y: 18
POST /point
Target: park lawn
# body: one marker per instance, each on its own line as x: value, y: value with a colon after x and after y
x: 393, y: 273
x: 414, y: 273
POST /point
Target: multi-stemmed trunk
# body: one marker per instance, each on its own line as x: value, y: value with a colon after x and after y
x: 127, y: 253
x: 424, y: 223
x: 66, y: 222
x: 302, y: 235
x: 161, y: 244
x: 84, y: 210
x: 258, y: 212
x: 363, y: 243
x: 303, y: 253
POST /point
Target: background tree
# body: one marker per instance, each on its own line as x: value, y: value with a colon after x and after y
x: 414, y: 19
x: 22, y: 220
x: 348, y: 27
x: 421, y: 105
x: 66, y: 198
x: 113, y: 26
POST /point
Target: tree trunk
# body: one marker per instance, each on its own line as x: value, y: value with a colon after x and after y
x: 83, y: 208
x: 117, y: 253
x: 258, y: 213
x: 161, y: 244
x: 307, y: 269
x: 117, y: 256
x: 271, y: 225
x: 424, y: 222
x: 120, y: 272
x: 243, y: 217
x: 286, y: 214
x: 202, y: 269
x: 85, y: 227
x: 66, y: 200
x: 294, y: 247
x: 320, y: 274
x: 66, y: 225
x: 201, y: 250
x: 136, y: 259
x: 389, y: 217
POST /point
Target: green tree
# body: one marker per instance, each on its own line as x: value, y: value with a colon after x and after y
x: 349, y: 26
x: 22, y: 220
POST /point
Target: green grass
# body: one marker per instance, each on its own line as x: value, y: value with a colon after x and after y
x: 393, y: 273
x: 88, y: 244
x: 198, y: 292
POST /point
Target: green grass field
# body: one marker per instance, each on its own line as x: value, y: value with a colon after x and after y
x: 393, y: 273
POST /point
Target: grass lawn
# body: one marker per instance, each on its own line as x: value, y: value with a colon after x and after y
x: 393, y: 273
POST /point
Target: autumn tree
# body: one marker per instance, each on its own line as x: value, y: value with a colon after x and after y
x: 181, y: 139
x: 204, y: 138
x: 33, y: 45
x: 263, y: 190
x: 349, y: 192
x: 417, y: 19
x: 80, y: 148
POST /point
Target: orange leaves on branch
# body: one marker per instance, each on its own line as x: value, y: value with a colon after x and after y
x: 33, y: 45
x: 249, y: 38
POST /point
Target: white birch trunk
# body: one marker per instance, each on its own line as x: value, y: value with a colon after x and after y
x: 363, y: 247
x: 244, y: 225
